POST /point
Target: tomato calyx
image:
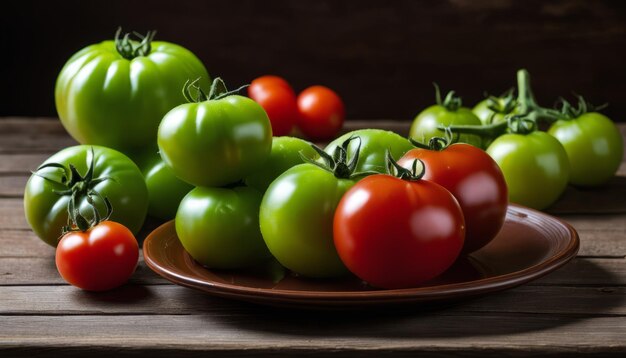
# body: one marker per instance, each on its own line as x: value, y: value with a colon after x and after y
x: 569, y: 112
x: 338, y: 163
x: 79, y: 187
x: 503, y: 104
x: 396, y: 170
x: 451, y: 102
x: 217, y: 91
x: 438, y: 143
x: 129, y: 48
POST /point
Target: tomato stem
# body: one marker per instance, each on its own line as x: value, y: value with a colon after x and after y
x: 130, y: 49
x: 217, y: 91
x: 451, y: 102
x: 338, y: 163
x: 398, y: 171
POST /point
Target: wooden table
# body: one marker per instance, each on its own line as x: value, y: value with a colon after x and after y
x: 581, y: 308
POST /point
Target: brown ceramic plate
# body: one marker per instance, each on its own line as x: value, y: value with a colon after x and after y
x: 530, y: 245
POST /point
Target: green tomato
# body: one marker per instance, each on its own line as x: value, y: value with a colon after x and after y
x: 425, y: 125
x: 594, y: 147
x: 374, y: 144
x: 107, y: 99
x: 219, y: 227
x: 297, y: 220
x: 46, y: 210
x: 165, y: 190
x: 484, y: 113
x: 535, y: 167
x: 286, y: 153
x: 215, y: 142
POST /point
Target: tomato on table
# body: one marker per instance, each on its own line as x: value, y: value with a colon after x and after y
x: 321, y: 113
x: 216, y: 139
x: 219, y: 227
x: 398, y: 232
x: 445, y: 113
x: 592, y: 142
x: 278, y: 100
x: 115, y: 93
x: 83, y: 169
x: 99, y: 259
x: 474, y: 179
x: 535, y: 167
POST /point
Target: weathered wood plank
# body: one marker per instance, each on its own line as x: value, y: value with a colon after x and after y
x: 266, y: 332
x: 12, y: 186
x: 176, y: 300
x: 45, y: 135
x: 42, y: 271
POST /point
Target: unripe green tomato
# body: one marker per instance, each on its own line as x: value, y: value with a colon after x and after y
x: 286, y: 153
x: 535, y: 167
x: 425, y: 125
x: 219, y: 227
x: 215, y: 142
x: 594, y: 147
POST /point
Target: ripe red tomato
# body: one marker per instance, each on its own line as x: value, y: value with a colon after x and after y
x: 99, y: 259
x: 320, y: 113
x: 475, y: 180
x: 278, y: 100
x: 395, y: 233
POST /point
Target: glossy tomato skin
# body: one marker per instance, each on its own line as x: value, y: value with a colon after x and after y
x: 374, y: 143
x: 286, y: 153
x: 535, y: 167
x: 297, y: 220
x: 219, y: 227
x: 424, y: 126
x: 321, y: 113
x: 594, y: 147
x: 46, y: 211
x: 216, y: 142
x: 475, y: 180
x: 394, y: 233
x: 278, y: 100
x: 165, y: 190
x: 105, y: 99
x: 102, y: 258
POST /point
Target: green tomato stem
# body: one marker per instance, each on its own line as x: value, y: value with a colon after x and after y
x: 130, y: 49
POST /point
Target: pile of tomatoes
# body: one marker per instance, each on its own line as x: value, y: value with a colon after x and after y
x: 392, y: 211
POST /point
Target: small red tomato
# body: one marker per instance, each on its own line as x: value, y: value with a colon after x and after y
x: 395, y: 233
x: 475, y: 180
x: 320, y: 113
x: 99, y: 259
x: 278, y: 100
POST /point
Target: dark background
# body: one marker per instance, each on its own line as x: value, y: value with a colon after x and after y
x: 381, y: 56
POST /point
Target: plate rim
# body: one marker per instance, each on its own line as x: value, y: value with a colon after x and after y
x: 427, y: 293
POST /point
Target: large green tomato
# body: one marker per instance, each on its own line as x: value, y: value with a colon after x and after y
x: 116, y: 98
x: 124, y: 186
x: 215, y: 142
x: 297, y: 220
x: 286, y: 153
x: 535, y: 167
x: 165, y: 190
x: 425, y: 125
x: 374, y: 143
x: 594, y: 147
x: 219, y: 227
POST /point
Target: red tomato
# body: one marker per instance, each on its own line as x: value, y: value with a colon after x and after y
x: 278, y: 100
x: 475, y: 180
x: 320, y: 113
x: 99, y: 259
x: 395, y: 233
